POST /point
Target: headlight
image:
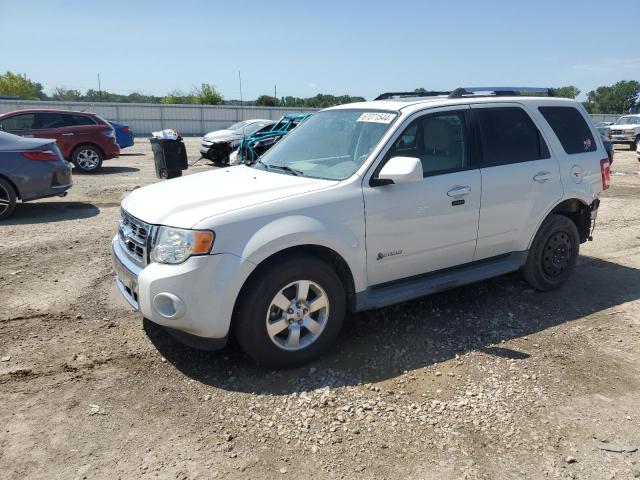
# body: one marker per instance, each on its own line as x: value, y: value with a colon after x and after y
x: 175, y: 245
x: 629, y: 132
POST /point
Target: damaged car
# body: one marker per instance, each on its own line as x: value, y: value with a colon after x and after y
x: 216, y: 146
x: 254, y: 146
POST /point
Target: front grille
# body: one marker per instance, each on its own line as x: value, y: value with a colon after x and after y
x: 134, y: 237
x: 616, y: 132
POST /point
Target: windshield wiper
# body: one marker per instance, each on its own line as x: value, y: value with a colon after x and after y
x: 286, y: 168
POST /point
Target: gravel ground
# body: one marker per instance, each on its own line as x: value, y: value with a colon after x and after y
x: 492, y: 381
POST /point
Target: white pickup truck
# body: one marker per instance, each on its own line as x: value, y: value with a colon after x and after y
x: 362, y: 206
x: 626, y: 131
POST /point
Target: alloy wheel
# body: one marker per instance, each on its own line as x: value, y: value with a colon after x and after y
x: 297, y: 315
x: 88, y: 159
x: 5, y: 200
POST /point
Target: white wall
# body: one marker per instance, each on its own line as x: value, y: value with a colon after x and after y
x: 144, y: 118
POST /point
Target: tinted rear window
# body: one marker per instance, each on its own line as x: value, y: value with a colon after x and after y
x: 509, y: 136
x: 81, y: 120
x: 570, y: 128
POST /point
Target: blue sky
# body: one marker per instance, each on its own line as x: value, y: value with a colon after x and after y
x: 307, y: 47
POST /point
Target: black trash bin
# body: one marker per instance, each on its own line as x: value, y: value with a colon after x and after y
x: 170, y: 157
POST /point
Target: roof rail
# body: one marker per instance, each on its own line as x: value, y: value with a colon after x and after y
x: 387, y: 95
x: 462, y: 91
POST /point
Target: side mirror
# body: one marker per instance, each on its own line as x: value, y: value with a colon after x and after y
x: 400, y: 170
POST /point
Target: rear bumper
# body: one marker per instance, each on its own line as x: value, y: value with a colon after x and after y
x: 57, y: 183
x: 111, y: 151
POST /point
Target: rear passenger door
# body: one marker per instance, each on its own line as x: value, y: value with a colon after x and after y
x: 520, y: 178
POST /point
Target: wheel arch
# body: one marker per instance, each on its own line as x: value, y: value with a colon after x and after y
x: 85, y: 144
x: 321, y: 252
x: 577, y: 210
x: 13, y: 185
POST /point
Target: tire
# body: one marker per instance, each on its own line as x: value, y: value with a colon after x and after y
x: 87, y: 158
x: 553, y: 253
x: 634, y: 145
x: 8, y: 199
x: 278, y: 282
x: 173, y: 173
x: 164, y: 173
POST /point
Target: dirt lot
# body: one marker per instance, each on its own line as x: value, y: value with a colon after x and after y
x: 492, y: 381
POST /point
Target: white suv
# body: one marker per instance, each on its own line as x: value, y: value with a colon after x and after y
x: 362, y: 206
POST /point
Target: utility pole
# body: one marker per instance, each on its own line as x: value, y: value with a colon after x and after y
x: 275, y: 94
x: 99, y: 88
x: 241, y: 103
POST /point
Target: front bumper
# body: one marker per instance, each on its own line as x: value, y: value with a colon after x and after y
x: 623, y: 138
x: 204, y: 289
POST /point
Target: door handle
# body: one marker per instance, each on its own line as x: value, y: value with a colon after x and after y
x: 459, y: 190
x: 68, y: 134
x: 542, y: 177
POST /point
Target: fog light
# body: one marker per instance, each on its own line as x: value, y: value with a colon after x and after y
x: 169, y: 306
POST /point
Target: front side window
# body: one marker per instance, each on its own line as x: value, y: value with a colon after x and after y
x: 18, y: 122
x: 438, y: 140
x: 508, y: 135
x: 331, y: 144
x: 570, y: 128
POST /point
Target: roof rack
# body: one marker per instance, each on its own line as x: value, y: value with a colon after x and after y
x: 387, y: 95
x: 498, y: 91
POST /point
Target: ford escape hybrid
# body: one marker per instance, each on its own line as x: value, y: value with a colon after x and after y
x: 362, y: 206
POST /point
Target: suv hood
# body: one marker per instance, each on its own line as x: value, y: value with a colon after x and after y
x: 183, y: 202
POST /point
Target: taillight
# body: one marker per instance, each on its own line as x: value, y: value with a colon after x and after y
x: 44, y: 155
x: 605, y: 170
x: 109, y: 133
x: 125, y: 129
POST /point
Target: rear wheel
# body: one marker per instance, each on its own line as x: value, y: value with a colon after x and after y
x: 553, y: 253
x: 290, y: 312
x: 8, y: 199
x: 87, y: 158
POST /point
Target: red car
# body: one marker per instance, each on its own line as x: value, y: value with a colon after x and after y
x: 85, y: 139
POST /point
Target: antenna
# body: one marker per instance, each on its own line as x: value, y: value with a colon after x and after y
x: 240, y: 154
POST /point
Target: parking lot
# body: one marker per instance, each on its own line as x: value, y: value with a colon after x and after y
x: 494, y: 380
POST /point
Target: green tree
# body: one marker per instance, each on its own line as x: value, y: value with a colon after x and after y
x: 266, y: 101
x: 208, y: 95
x: 617, y: 98
x: 20, y: 86
x: 66, y: 94
x: 567, y: 92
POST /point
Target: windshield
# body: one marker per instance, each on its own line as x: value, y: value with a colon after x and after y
x: 628, y: 121
x: 237, y: 126
x: 332, y: 144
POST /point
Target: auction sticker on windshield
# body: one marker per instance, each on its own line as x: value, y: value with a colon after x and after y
x: 377, y: 117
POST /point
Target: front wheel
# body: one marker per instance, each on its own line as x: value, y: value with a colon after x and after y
x: 87, y: 158
x: 553, y: 253
x: 290, y: 312
x: 634, y: 145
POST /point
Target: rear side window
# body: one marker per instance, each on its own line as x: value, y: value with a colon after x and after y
x: 81, y: 120
x: 18, y: 122
x: 51, y: 120
x: 570, y: 128
x: 509, y: 136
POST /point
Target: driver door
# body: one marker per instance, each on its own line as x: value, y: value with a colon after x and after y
x: 417, y: 228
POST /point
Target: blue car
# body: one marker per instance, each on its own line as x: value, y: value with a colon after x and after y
x: 124, y: 135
